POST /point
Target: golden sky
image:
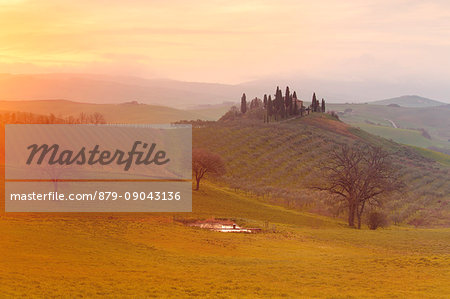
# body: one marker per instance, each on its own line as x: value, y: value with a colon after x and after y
x: 228, y: 41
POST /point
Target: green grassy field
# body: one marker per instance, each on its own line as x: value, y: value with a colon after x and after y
x: 437, y: 156
x: 434, y: 120
x: 148, y: 255
x: 404, y: 136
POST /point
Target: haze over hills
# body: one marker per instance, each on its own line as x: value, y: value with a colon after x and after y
x: 410, y: 101
x: 114, y: 89
x: 346, y: 90
x: 96, y: 88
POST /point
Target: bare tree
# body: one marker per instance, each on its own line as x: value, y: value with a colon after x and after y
x: 357, y: 176
x: 83, y: 118
x: 97, y: 118
x: 205, y: 162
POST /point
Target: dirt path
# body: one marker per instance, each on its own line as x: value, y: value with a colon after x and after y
x: 392, y: 123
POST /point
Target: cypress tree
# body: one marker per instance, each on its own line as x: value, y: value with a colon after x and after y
x: 280, y: 101
x: 314, y: 103
x: 243, y: 104
x: 276, y: 100
x: 294, y: 98
x: 278, y: 104
x: 288, y: 101
x: 269, y: 108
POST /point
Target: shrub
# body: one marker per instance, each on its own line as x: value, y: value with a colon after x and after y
x: 376, y: 219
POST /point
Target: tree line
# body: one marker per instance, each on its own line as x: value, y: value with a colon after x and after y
x: 281, y: 106
x: 31, y: 118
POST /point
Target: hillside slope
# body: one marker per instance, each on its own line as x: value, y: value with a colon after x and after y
x: 281, y: 160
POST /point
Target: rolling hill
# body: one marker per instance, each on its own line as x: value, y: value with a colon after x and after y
x: 409, y: 101
x: 279, y: 161
x: 285, y: 158
x: 298, y: 254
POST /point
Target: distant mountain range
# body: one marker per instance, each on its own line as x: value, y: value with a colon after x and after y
x: 410, y: 101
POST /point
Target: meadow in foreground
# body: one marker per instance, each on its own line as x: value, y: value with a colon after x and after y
x: 152, y: 255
